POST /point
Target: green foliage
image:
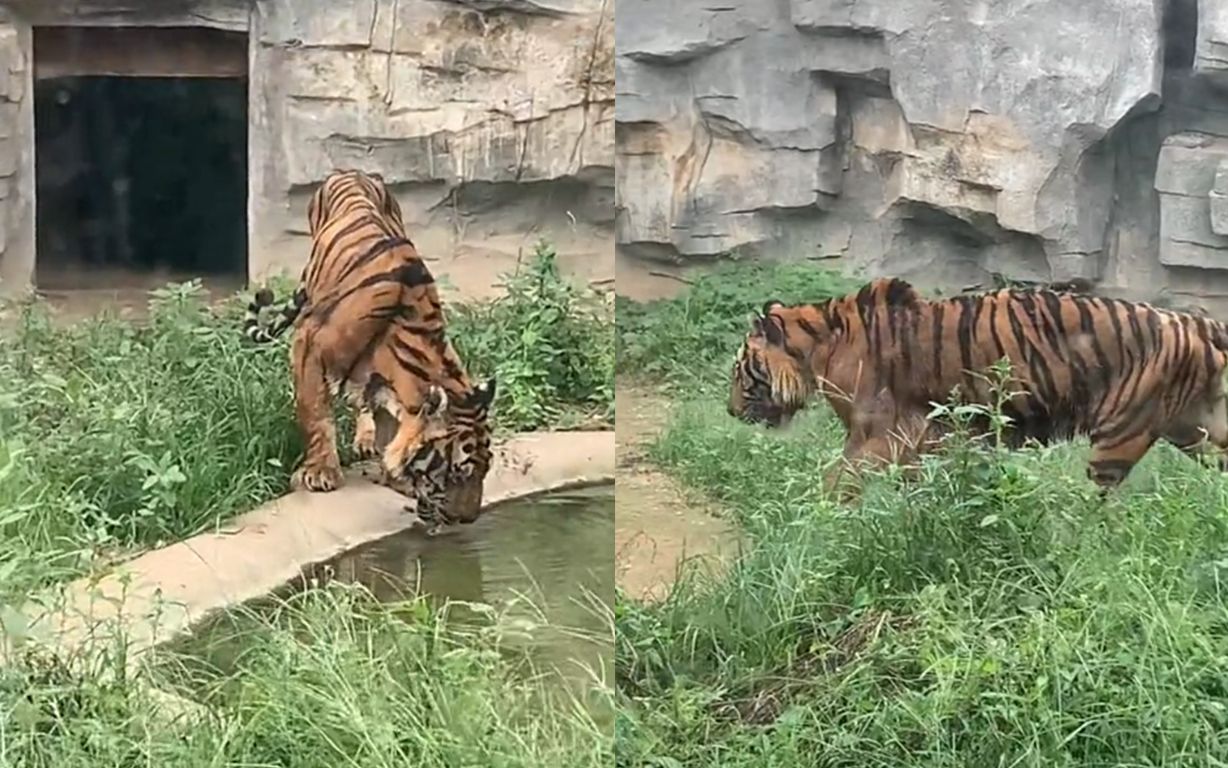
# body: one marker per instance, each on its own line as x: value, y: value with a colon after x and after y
x: 686, y: 337
x: 131, y: 435
x: 991, y: 611
x: 550, y: 347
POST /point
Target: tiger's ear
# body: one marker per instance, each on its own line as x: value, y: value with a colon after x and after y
x: 774, y: 330
x: 769, y: 326
x: 435, y: 404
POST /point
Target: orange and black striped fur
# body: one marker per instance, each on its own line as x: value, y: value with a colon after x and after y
x: 369, y: 323
x: 1125, y: 374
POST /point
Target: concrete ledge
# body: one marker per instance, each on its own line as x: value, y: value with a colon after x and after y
x: 163, y: 593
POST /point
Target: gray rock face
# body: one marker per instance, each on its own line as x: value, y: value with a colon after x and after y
x: 1186, y: 176
x: 493, y: 120
x: 933, y: 139
x: 1212, y: 42
x: 1217, y: 199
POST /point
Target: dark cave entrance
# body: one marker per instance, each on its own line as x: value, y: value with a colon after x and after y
x: 140, y: 157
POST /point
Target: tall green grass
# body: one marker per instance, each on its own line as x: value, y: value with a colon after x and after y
x: 990, y: 613
x: 330, y: 678
x: 686, y: 339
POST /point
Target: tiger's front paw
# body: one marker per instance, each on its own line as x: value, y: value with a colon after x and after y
x: 380, y: 476
x: 316, y: 478
x: 364, y: 444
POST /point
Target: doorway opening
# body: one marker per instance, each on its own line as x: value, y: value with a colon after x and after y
x: 140, y: 158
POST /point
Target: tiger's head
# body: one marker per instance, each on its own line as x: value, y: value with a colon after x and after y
x: 340, y: 186
x: 441, y: 454
x: 795, y: 351
x: 770, y: 380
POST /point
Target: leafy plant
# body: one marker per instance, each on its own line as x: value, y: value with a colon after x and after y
x: 549, y: 345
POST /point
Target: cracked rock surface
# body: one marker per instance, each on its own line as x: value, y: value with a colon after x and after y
x: 493, y: 119
x: 942, y: 141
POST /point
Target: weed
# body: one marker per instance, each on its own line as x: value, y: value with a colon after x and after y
x: 551, y: 348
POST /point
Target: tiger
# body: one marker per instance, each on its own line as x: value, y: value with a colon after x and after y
x: 369, y: 323
x: 1125, y: 374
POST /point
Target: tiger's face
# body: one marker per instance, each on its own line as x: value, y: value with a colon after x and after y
x: 768, y: 385
x: 444, y: 466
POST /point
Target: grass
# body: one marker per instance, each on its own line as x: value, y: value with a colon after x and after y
x: 991, y: 613
x: 329, y: 678
x: 117, y: 436
x: 684, y: 340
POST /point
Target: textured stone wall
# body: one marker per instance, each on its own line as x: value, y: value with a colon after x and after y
x: 492, y: 119
x: 16, y: 157
x: 938, y: 140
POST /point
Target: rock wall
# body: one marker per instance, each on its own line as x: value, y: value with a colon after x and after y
x: 493, y: 120
x: 16, y: 158
x: 941, y: 141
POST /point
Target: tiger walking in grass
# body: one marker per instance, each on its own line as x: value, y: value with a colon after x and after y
x: 1125, y: 374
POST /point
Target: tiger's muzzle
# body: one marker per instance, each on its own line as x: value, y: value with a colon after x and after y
x: 449, y: 498
x: 772, y: 416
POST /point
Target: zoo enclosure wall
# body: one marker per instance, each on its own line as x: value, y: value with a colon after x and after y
x: 494, y: 127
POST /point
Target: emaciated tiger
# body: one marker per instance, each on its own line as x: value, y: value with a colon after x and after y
x: 369, y: 323
x: 1125, y: 374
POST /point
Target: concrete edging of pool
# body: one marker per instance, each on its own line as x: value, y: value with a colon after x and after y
x: 164, y: 593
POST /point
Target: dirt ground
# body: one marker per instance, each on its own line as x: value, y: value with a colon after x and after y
x: 73, y: 295
x: 125, y: 293
x: 657, y: 524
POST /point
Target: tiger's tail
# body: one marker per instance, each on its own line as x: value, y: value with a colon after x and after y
x: 287, y: 313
